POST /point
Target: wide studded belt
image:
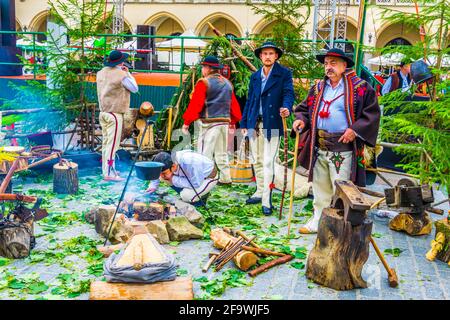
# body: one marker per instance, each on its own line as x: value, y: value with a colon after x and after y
x: 327, y: 141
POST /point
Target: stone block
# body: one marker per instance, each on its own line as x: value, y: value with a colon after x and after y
x: 180, y: 229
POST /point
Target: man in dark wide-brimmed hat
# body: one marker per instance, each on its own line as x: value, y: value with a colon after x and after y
x: 342, y: 115
x: 114, y: 84
x: 270, y: 97
x: 215, y: 108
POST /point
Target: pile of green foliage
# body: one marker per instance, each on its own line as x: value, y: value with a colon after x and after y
x: 423, y: 127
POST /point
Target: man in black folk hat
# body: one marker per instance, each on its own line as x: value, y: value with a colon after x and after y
x: 342, y: 115
x: 270, y: 97
x: 114, y: 84
x: 215, y: 106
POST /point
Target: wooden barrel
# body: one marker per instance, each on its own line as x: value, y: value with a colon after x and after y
x: 241, y: 172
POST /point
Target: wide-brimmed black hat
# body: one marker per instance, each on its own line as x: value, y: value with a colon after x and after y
x: 269, y: 44
x: 335, y: 52
x: 212, y: 62
x: 165, y: 158
x: 115, y: 57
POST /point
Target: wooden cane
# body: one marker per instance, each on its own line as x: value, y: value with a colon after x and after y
x: 392, y: 275
x: 285, y: 166
x: 294, y: 166
x: 169, y: 128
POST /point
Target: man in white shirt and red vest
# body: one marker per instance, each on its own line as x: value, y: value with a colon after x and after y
x: 114, y: 84
x: 214, y: 104
x: 342, y: 115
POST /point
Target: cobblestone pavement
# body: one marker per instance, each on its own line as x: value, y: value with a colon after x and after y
x: 419, y: 278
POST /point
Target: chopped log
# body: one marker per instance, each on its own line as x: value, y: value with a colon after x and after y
x: 412, y: 224
x: 209, y: 263
x: 443, y: 226
x: 65, y: 178
x: 15, y: 239
x: 178, y: 289
x: 340, y: 252
x: 270, y: 264
x: 242, y: 261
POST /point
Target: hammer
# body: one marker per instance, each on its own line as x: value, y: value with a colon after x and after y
x: 392, y: 275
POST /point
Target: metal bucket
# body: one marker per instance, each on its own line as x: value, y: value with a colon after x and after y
x: 420, y: 71
x: 148, y: 170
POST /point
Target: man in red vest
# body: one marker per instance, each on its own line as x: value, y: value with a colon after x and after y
x: 215, y: 106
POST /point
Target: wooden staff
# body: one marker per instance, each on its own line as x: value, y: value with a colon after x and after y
x: 285, y: 166
x: 16, y: 197
x: 263, y: 251
x: 392, y: 275
x: 210, y: 262
x: 294, y: 166
x: 169, y: 127
x: 236, y: 51
x: 270, y: 264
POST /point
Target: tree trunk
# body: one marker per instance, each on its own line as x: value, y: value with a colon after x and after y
x: 15, y: 240
x: 244, y: 260
x: 65, y: 178
x: 412, y: 224
x: 340, y: 251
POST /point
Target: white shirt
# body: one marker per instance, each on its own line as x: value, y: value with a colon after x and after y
x: 129, y: 82
x: 263, y: 85
x: 196, y: 166
x: 337, y: 120
x: 387, y: 85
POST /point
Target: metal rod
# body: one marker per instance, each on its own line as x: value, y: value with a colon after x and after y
x: 147, y: 123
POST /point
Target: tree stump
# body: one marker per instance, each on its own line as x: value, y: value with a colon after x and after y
x: 15, y: 239
x: 412, y: 224
x: 65, y: 178
x: 340, y: 251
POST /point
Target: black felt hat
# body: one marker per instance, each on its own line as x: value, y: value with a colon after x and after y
x: 164, y: 158
x: 269, y: 44
x: 115, y: 57
x: 335, y: 52
x: 212, y: 61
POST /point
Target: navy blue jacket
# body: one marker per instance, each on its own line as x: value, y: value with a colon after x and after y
x: 278, y: 93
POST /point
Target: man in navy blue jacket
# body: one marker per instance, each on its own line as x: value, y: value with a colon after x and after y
x: 270, y: 97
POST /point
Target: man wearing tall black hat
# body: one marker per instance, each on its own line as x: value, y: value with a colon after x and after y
x: 400, y: 79
x: 114, y: 84
x: 215, y: 107
x: 270, y: 97
x: 342, y: 115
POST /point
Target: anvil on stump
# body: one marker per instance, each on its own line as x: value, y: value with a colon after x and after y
x: 342, y: 245
x: 413, y: 200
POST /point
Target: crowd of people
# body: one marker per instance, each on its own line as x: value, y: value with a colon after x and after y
x: 338, y: 119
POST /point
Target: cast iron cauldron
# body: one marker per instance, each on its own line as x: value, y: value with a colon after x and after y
x: 420, y: 71
x: 148, y: 170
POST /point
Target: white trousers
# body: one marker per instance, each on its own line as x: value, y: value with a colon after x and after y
x: 264, y: 154
x: 188, y: 195
x: 328, y: 167
x: 213, y: 143
x: 111, y: 124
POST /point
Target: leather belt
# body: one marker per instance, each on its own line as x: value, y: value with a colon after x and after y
x: 327, y: 141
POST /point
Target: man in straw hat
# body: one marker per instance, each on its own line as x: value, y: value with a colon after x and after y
x: 114, y: 84
x: 270, y: 97
x: 342, y: 115
x: 215, y: 105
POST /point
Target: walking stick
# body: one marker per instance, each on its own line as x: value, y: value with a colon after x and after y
x: 285, y: 166
x: 294, y: 166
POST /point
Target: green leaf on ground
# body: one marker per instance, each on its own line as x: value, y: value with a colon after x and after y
x: 394, y: 252
x: 377, y: 235
x: 182, y: 272
x: 298, y: 265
